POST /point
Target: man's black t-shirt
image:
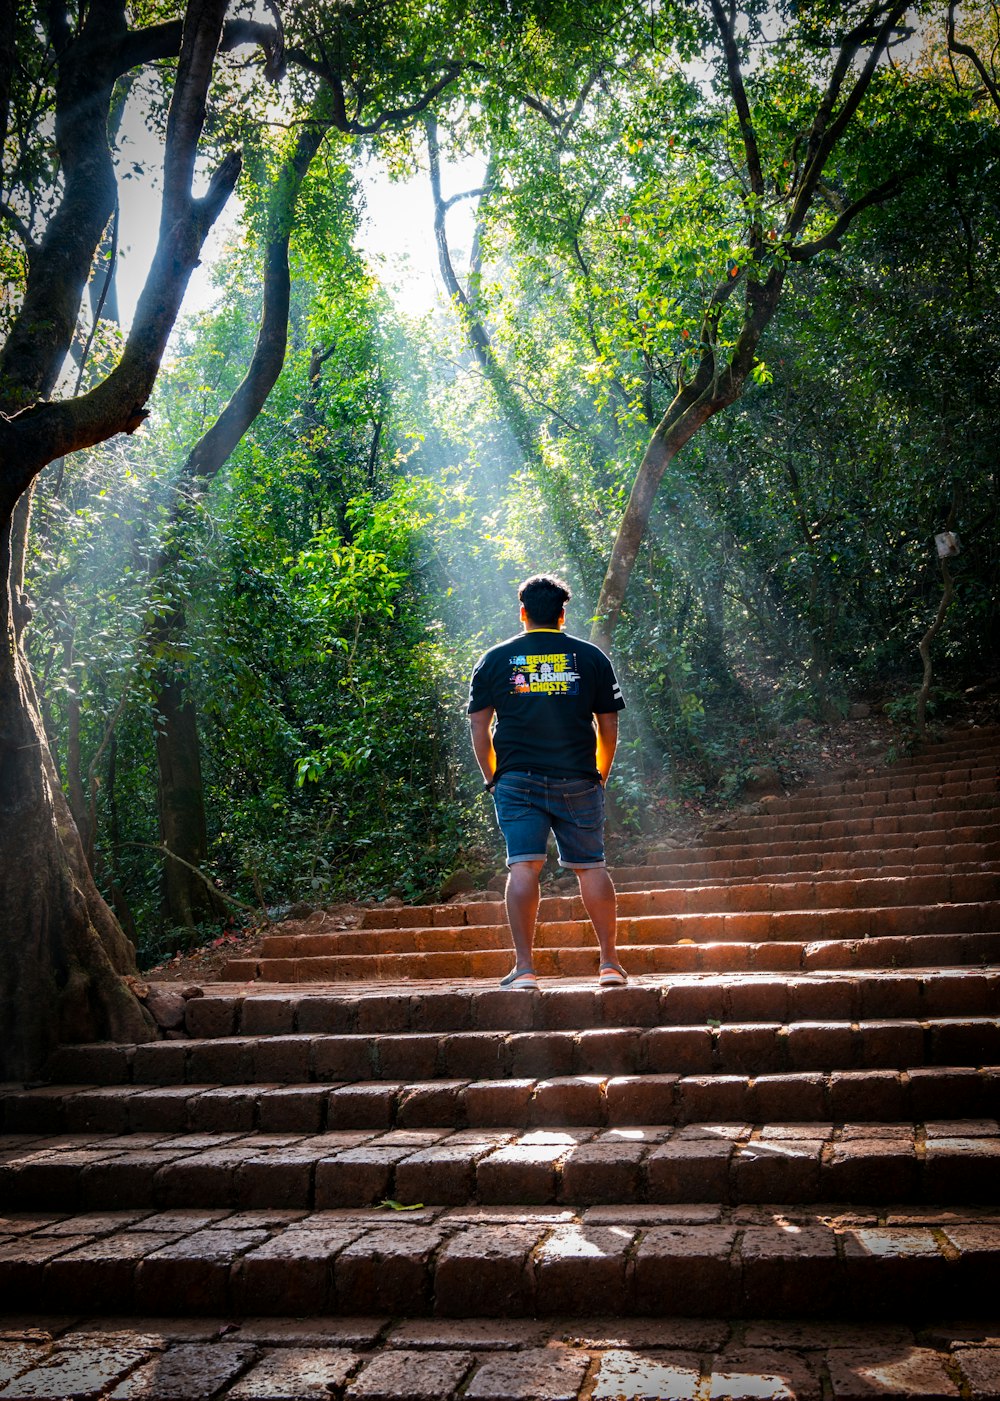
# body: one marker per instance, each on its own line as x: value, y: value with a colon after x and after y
x: 545, y: 687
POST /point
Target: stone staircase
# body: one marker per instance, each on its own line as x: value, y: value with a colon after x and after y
x: 789, y: 1114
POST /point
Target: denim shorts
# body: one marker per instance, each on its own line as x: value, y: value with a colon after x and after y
x: 529, y: 806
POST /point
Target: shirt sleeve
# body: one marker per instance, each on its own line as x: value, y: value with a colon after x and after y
x: 480, y: 690
x: 608, y: 696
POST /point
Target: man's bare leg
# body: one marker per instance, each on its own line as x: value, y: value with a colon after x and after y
x: 598, y: 891
x: 522, y: 908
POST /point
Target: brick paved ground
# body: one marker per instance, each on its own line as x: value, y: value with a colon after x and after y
x: 791, y: 1114
x: 264, y: 1359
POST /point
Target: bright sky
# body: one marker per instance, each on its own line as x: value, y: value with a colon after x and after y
x: 397, y: 234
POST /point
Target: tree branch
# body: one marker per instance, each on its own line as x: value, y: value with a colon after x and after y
x: 966, y: 51
x: 802, y: 252
x: 738, y: 90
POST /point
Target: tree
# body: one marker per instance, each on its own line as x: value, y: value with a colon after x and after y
x: 779, y: 227
x: 63, y: 951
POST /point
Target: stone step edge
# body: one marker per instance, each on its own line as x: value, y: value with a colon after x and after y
x: 559, y: 908
x: 918, y: 1095
x: 832, y: 1097
x: 573, y: 964
x: 486, y: 1358
x: 870, y: 953
x: 489, y: 1167
x: 784, y: 812
x: 683, y: 1001
x: 453, y: 1268
x: 758, y: 1047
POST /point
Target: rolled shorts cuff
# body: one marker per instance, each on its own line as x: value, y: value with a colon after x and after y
x: 581, y: 865
x: 520, y: 860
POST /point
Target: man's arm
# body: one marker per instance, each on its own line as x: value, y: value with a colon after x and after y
x: 482, y: 742
x: 607, y: 741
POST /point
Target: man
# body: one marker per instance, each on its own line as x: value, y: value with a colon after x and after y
x: 546, y: 762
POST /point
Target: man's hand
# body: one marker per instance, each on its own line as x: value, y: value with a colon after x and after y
x: 607, y: 741
x: 482, y: 742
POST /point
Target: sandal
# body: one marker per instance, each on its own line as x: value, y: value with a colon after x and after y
x: 612, y: 975
x: 520, y: 978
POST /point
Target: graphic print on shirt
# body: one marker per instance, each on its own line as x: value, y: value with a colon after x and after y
x: 546, y: 674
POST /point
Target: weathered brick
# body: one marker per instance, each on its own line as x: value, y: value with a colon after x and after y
x: 412, y: 1376
x: 292, y: 1109
x: 911, y: 1372
x: 747, y: 1375
x: 707, y: 1098
x: 687, y: 1171
x: 292, y: 1272
x: 640, y: 1099
x: 789, y: 1271
x: 776, y: 1170
x: 341, y: 1058
x: 264, y: 1015
x: 536, y: 1374
x: 683, y: 1050
x: 581, y: 1269
x: 291, y: 1374
x: 523, y: 1172
x: 891, y: 1270
x: 686, y: 1270
x: 409, y: 1057
x: 186, y: 1372
x: 572, y: 1099
x: 474, y: 1054
x: 365, y: 1106
x: 784, y: 1098
x: 437, y: 1102
x: 868, y: 1095
x: 601, y: 1172
x: 614, y: 1051
x: 870, y: 1170
x: 387, y: 1271
x: 752, y: 1049
x: 622, y: 1372
x: 211, y: 1016
x: 497, y: 1103
x: 541, y: 1053
x: 484, y: 1271
x: 357, y: 1176
x: 195, y: 1269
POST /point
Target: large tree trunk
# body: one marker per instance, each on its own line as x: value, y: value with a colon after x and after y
x: 62, y: 952
x: 59, y: 977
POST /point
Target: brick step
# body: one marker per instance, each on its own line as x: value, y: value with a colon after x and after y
x: 849, y: 806
x: 894, y: 785
x: 808, y: 800
x: 980, y: 823
x: 668, y: 880
x: 817, y: 849
x: 134, y: 1118
x: 484, y: 1359
x: 783, y: 1261
x: 641, y: 960
x: 565, y: 947
x: 975, y: 740
x: 635, y: 907
x: 554, y: 1164
x: 874, y: 891
x: 971, y: 859
x: 878, y: 990
x: 721, y: 1048
x: 929, y: 858
x: 951, y: 766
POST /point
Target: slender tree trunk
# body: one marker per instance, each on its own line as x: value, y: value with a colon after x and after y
x: 187, y: 900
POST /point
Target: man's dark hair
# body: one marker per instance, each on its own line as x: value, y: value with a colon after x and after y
x: 543, y: 598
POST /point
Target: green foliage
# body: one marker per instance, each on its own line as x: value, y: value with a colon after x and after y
x: 362, y: 545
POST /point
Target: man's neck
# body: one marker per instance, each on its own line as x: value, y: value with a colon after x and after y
x: 531, y: 627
